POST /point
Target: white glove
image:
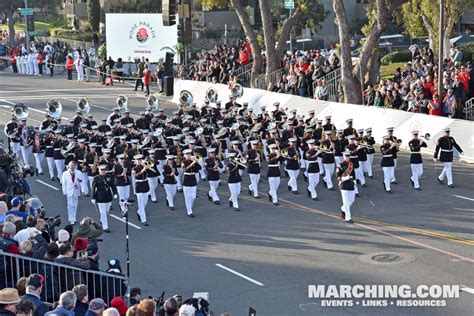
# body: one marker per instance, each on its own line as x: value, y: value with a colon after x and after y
x: 93, y: 201
x: 435, y: 159
x: 115, y: 196
x: 346, y: 178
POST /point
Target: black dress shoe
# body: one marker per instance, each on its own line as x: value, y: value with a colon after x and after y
x: 217, y: 202
x: 412, y: 183
x: 325, y: 184
x: 440, y: 181
x: 289, y: 188
x: 209, y: 197
x: 394, y: 182
x: 295, y: 192
x: 167, y: 204
x: 364, y: 185
x: 343, y: 215
x: 350, y: 221
x: 172, y: 208
x: 308, y: 192
x: 451, y: 186
x: 269, y: 197
x: 180, y: 190
x: 417, y: 189
x: 331, y: 189
x: 230, y: 203
x: 154, y: 201
x: 371, y: 177
x: 315, y: 199
x: 236, y: 209
x: 389, y: 191
x: 191, y: 215
x: 276, y: 203
x: 257, y: 197
x: 357, y: 195
x: 40, y: 173
x: 250, y: 192
x: 305, y: 178
x: 145, y: 224
x: 138, y: 216
x: 53, y: 179
x: 107, y: 230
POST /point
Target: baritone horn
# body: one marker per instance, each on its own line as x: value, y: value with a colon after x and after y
x: 54, y: 109
x: 185, y: 97
x: 20, y: 111
x: 83, y: 105
x: 122, y: 103
x: 237, y: 90
x: 211, y: 95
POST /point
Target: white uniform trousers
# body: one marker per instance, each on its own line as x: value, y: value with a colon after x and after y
x: 254, y: 180
x: 16, y: 148
x: 348, y: 198
x: 39, y: 157
x: 305, y: 173
x: 170, y: 190
x: 447, y: 172
x: 80, y: 73
x: 36, y: 67
x: 90, y: 181
x: 161, y: 164
x: 142, y: 199
x: 104, y: 209
x: 153, y: 184
x: 72, y: 208
x: 124, y: 194
x: 178, y: 179
x: 293, y: 174
x: 338, y: 159
x: 202, y: 173
x: 274, y: 183
x: 320, y: 163
x: 302, y: 161
x: 359, y: 173
x: 328, y: 172
x: 51, y: 166
x: 234, y: 189
x: 416, y: 173
x: 313, y: 180
x: 134, y: 184
x: 25, y: 152
x: 85, y: 184
x: 264, y: 145
x: 59, y: 163
x: 213, y: 185
x: 387, y: 176
x: 189, y: 197
x: 394, y: 167
x: 370, y: 160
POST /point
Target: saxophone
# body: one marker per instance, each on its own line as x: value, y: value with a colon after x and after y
x: 84, y: 161
x: 178, y: 156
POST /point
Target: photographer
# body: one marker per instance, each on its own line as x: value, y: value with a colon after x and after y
x: 89, y: 229
x: 30, y: 229
x: 81, y: 260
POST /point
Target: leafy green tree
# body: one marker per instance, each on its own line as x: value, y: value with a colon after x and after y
x: 274, y: 28
x: 421, y: 18
x: 93, y: 14
x: 8, y: 8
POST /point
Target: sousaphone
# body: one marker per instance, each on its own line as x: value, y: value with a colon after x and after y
x: 54, y: 109
x: 152, y: 102
x: 237, y: 90
x: 122, y: 103
x: 83, y: 105
x: 211, y: 95
x: 185, y: 97
x: 20, y: 111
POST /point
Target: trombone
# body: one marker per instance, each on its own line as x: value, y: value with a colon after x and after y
x: 239, y: 161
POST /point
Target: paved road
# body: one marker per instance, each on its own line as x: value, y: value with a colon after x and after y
x: 278, y: 251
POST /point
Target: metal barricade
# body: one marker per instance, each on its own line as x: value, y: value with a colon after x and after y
x: 275, y: 76
x: 469, y: 109
x: 332, y: 84
x: 59, y: 278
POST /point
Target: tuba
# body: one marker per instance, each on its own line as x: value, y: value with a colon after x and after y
x: 122, y: 103
x: 211, y: 95
x: 20, y: 111
x: 83, y: 105
x: 237, y: 90
x: 198, y: 131
x: 54, y: 109
x: 185, y: 97
x: 152, y: 102
x: 158, y: 132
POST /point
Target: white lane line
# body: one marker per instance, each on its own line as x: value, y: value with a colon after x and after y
x: 123, y: 221
x: 89, y: 96
x: 463, y: 197
x: 47, y: 184
x: 371, y: 203
x: 467, y: 289
x: 8, y: 102
x: 66, y: 90
x: 238, y: 274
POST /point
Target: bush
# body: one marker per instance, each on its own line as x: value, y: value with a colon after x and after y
x: 102, y: 51
x: 467, y: 52
x: 402, y: 56
x: 72, y: 35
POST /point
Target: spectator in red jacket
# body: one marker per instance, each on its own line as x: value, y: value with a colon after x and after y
x: 13, y: 62
x: 69, y: 67
x: 146, y: 81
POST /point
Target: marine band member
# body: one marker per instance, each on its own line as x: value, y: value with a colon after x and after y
x: 142, y: 187
x: 254, y: 165
x: 446, y: 145
x: 346, y: 176
x: 212, y: 165
x: 103, y: 192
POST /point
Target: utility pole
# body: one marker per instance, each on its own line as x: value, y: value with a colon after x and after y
x: 441, y: 49
x: 27, y: 35
x: 291, y: 37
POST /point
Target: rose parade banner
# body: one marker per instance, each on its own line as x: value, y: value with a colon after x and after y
x: 137, y: 35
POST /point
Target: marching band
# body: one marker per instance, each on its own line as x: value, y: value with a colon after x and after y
x: 122, y: 157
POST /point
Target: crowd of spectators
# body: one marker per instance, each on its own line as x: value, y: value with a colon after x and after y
x: 414, y: 88
x: 26, y: 233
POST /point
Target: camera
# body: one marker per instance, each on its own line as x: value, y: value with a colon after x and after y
x: 50, y: 224
x: 160, y: 301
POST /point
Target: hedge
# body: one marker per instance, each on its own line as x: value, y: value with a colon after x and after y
x: 402, y: 56
x: 71, y: 34
x: 467, y: 52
